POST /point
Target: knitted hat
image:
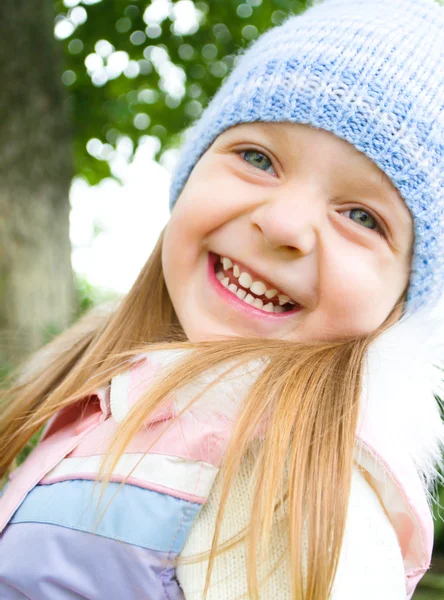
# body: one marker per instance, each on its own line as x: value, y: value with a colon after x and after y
x: 372, y: 73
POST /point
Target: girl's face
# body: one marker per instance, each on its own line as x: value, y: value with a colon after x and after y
x: 286, y: 231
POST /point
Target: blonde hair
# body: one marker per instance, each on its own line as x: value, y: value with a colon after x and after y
x: 309, y: 394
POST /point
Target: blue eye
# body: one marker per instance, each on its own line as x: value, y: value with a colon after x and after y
x: 365, y: 219
x: 257, y: 159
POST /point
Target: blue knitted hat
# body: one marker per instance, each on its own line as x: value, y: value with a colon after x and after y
x: 369, y: 71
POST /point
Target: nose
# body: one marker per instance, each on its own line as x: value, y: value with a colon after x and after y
x: 291, y: 220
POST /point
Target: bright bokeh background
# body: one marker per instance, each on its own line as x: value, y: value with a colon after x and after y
x: 115, y: 226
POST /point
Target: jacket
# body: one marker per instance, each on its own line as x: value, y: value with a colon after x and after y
x: 52, y: 496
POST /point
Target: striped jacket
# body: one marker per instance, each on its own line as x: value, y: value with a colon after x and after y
x: 49, y: 514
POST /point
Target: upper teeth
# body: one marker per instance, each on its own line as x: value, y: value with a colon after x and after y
x: 246, y: 280
x: 226, y: 263
x: 256, y: 287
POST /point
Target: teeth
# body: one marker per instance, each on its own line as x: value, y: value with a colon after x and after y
x: 226, y: 263
x: 258, y: 288
x: 283, y: 299
x: 245, y: 280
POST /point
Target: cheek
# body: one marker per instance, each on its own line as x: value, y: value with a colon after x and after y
x: 188, y: 223
x: 359, y: 291
x: 194, y: 215
x: 213, y: 195
x: 185, y: 238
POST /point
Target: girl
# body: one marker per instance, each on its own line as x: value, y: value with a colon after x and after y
x: 266, y: 389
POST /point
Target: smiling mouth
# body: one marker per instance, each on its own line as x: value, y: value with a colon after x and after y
x: 257, y: 293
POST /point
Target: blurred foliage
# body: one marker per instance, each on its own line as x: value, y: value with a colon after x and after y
x: 136, y: 68
x: 89, y: 295
x: 439, y: 522
x: 431, y: 587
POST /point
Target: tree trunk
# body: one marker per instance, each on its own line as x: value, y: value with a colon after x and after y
x: 36, y: 281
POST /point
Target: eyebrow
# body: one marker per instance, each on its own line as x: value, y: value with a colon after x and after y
x: 277, y: 133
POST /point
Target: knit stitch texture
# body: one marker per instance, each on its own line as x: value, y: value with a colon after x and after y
x: 372, y: 73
